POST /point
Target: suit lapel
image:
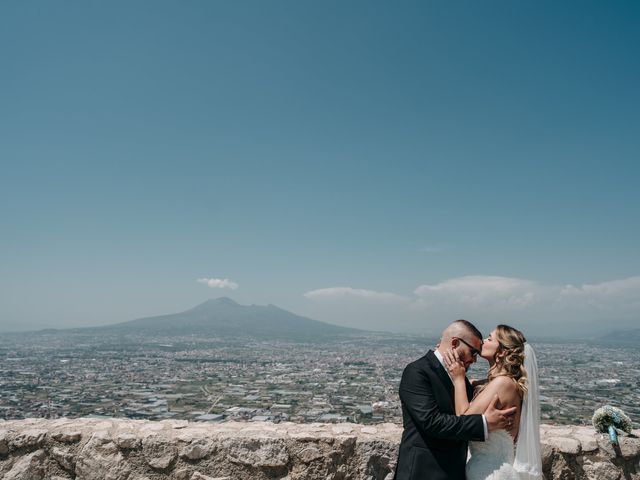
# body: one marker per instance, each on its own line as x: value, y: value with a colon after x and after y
x: 441, y: 372
x: 470, y: 389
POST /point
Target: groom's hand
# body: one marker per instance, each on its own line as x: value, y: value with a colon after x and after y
x: 498, y: 419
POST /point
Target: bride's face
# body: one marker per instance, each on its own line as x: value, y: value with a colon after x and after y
x: 490, y: 347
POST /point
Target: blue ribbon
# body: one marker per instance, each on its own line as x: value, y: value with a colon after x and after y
x: 613, y: 435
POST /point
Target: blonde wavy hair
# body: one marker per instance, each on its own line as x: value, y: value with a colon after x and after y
x: 509, y: 358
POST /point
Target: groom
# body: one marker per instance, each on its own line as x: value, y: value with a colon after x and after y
x: 434, y: 440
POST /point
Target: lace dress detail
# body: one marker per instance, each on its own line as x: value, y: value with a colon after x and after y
x: 492, y: 459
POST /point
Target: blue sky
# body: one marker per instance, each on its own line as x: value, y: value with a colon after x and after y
x: 375, y: 164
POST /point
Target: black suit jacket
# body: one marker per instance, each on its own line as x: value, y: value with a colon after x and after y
x: 434, y: 440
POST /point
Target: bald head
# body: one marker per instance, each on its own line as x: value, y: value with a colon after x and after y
x: 460, y: 329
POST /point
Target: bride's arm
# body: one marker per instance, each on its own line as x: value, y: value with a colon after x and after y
x: 500, y: 386
x: 457, y: 371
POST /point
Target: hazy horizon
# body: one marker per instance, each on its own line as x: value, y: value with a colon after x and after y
x: 381, y: 166
x: 485, y: 328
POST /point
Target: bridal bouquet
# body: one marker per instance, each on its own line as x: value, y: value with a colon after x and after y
x: 608, y: 419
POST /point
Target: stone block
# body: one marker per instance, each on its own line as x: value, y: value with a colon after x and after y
x: 197, y: 449
x: 64, y: 458
x: 176, y: 424
x: 587, y: 443
x: 258, y: 453
x: 565, y: 444
x: 561, y: 469
x: 101, y: 460
x: 339, y: 429
x: 309, y: 454
x: 601, y: 470
x: 159, y: 452
x: 629, y: 447
x: 127, y: 441
x: 29, y: 467
x: 67, y: 436
x: 200, y: 476
x: 29, y: 438
x: 182, y: 474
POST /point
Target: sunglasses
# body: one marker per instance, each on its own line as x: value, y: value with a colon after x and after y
x: 474, y: 351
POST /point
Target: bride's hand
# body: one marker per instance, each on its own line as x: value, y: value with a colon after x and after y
x: 455, y: 367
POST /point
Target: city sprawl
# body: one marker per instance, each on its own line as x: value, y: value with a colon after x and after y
x: 354, y: 379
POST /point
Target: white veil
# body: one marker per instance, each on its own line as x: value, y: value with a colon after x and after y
x: 528, y: 461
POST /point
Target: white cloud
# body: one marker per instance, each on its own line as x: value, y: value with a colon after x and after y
x: 611, y: 288
x: 219, y: 283
x: 481, y: 290
x: 541, y: 309
x: 621, y: 294
x: 334, y: 293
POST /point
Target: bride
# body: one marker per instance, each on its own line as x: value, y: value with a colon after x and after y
x: 513, y: 377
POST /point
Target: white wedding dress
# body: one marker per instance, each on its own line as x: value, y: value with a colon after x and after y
x: 497, y: 458
x: 493, y: 458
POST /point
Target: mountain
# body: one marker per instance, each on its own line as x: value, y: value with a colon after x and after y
x: 630, y: 336
x: 222, y: 317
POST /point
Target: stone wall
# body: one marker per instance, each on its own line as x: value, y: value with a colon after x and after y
x: 120, y: 449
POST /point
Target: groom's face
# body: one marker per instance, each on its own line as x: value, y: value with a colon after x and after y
x: 468, y: 350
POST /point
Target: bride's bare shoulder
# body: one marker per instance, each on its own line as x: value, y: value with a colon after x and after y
x: 503, y: 381
x: 506, y: 387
